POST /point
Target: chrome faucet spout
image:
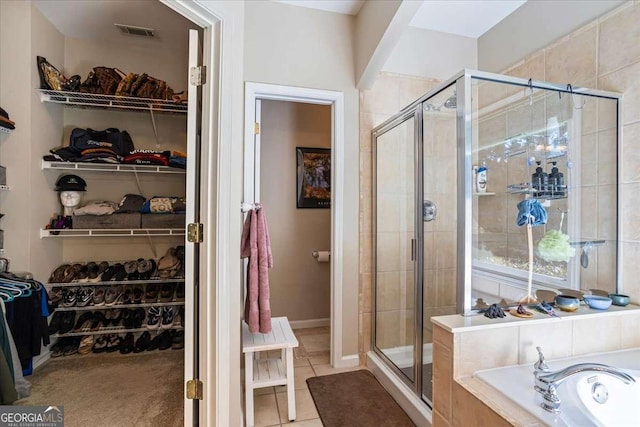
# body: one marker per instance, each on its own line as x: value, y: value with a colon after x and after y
x: 556, y: 378
x: 547, y: 382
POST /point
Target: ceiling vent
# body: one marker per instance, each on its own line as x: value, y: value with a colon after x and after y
x: 136, y: 31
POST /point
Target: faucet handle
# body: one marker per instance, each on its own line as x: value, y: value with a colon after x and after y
x: 541, y: 364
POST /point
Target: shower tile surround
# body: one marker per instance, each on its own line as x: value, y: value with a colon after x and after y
x: 614, y: 66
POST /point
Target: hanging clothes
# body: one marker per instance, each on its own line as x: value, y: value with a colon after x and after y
x: 256, y: 246
x: 22, y: 386
x: 27, y: 320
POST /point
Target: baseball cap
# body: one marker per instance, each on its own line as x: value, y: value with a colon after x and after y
x: 70, y: 183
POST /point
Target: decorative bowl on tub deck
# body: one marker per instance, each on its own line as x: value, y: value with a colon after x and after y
x: 597, y: 302
x: 567, y: 302
x: 619, y: 299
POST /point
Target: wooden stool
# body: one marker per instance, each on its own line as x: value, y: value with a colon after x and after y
x: 269, y: 372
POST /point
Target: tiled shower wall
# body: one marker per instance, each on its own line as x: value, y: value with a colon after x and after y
x: 604, y: 54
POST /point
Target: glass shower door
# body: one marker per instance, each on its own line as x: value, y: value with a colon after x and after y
x: 394, y: 244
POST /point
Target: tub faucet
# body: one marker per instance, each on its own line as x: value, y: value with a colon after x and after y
x: 548, y: 381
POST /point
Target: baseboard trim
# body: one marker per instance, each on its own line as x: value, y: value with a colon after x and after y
x: 41, y: 359
x: 311, y: 323
x: 349, y: 361
x: 417, y: 410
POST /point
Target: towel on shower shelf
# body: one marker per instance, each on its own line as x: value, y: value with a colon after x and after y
x: 531, y: 211
x: 256, y: 246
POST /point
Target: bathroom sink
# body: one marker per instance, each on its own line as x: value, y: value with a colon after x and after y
x: 608, y: 400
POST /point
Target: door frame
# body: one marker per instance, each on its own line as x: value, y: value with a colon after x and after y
x: 262, y: 91
x: 221, y: 123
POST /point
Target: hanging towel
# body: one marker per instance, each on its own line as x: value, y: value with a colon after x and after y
x: 256, y: 246
x: 530, y: 211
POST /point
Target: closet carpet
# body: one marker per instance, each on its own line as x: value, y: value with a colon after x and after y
x: 113, y: 389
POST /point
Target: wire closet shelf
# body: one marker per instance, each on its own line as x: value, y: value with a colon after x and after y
x: 89, y: 100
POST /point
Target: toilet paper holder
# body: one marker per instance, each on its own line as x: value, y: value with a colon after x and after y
x: 316, y: 254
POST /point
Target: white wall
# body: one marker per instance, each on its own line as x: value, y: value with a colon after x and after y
x: 432, y: 54
x: 299, y: 285
x: 297, y: 46
x: 533, y: 26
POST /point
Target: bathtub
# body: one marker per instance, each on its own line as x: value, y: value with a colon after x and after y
x: 578, y: 407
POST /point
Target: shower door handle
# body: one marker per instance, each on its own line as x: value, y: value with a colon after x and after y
x: 413, y: 249
x: 429, y: 211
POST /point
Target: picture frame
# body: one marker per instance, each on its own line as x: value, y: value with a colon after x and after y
x: 313, y: 178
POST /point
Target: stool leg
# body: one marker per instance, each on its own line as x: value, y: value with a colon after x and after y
x: 291, y: 389
x: 248, y: 387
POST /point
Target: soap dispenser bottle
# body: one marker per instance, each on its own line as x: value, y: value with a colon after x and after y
x: 556, y: 181
x: 540, y: 180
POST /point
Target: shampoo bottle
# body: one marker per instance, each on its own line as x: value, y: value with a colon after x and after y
x: 481, y: 179
x: 540, y: 180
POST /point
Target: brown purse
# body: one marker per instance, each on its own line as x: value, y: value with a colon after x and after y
x: 102, y: 80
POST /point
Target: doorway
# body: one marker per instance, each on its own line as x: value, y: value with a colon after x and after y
x: 255, y: 94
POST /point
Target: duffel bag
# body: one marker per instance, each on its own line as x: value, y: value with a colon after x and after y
x: 85, y: 139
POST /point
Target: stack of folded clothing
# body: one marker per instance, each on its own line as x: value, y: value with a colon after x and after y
x: 148, y: 157
x: 178, y: 159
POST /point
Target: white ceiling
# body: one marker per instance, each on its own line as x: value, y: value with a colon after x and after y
x: 461, y: 17
x: 95, y: 19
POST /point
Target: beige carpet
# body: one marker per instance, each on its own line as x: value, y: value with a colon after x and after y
x: 113, y: 389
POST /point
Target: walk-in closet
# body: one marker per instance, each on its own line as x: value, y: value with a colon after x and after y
x: 93, y: 269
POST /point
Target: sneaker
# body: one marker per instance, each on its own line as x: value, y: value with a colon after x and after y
x: 126, y: 346
x: 178, y: 340
x: 100, y: 344
x: 113, y: 343
x: 69, y: 297
x: 98, y: 296
x: 154, y: 317
x: 168, y: 317
x: 111, y: 295
x: 164, y: 340
x: 84, y: 296
x: 151, y: 292
x: 142, y: 343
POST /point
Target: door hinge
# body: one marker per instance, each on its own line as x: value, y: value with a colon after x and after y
x: 197, y: 75
x: 256, y: 129
x: 194, y: 232
x: 194, y: 389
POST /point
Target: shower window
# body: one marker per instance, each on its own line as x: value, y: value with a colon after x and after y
x: 558, y: 148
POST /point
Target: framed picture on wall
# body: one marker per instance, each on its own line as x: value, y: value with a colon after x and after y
x: 313, y: 183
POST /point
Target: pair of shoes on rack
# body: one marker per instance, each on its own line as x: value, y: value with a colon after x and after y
x: 107, y: 342
x: 133, y: 318
x: 162, y: 341
x: 61, y: 322
x: 161, y: 317
x: 65, y: 346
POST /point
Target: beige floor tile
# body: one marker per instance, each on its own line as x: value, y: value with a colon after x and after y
x: 328, y: 370
x: 307, y: 423
x: 300, y: 362
x: 301, y: 375
x: 263, y: 391
x: 305, y: 408
x: 319, y: 360
x: 265, y: 411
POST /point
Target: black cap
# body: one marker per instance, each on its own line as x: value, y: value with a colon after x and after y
x: 70, y: 183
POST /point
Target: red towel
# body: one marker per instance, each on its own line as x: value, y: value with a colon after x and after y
x: 256, y: 246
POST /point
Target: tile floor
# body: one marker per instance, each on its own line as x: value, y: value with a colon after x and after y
x: 310, y: 359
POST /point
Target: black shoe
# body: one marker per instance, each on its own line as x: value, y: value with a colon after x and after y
x: 127, y: 318
x: 142, y: 343
x: 165, y: 339
x: 178, y: 340
x: 100, y: 344
x: 154, y: 343
x: 57, y: 349
x: 72, y: 345
x: 55, y: 323
x: 137, y: 318
x: 67, y: 321
x: 126, y: 346
x: 117, y: 316
x: 113, y: 343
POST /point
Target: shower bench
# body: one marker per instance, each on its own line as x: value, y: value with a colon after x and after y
x: 269, y: 372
